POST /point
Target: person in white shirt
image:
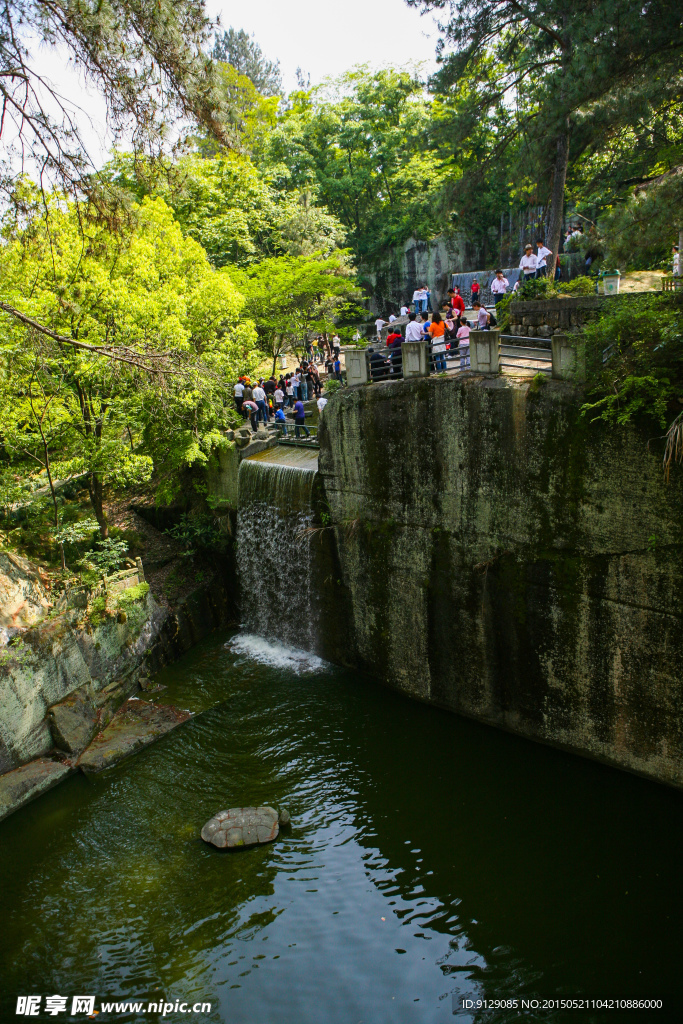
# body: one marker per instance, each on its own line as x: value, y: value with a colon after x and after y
x: 405, y: 310
x: 676, y: 262
x: 289, y: 388
x: 420, y: 297
x: 260, y: 399
x: 528, y: 262
x: 379, y: 324
x: 279, y: 397
x: 413, y: 329
x: 391, y: 318
x: 239, y: 395
x: 541, y: 257
x: 321, y: 403
x: 499, y: 286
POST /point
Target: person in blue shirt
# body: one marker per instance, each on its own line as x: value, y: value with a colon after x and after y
x: 280, y: 418
x: 300, y: 419
x: 337, y: 369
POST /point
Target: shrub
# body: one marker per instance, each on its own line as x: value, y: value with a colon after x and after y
x: 133, y: 594
x: 196, y: 532
x: 644, y: 377
x: 546, y: 288
x: 503, y: 311
x: 536, y: 288
x: 331, y: 386
x: 579, y: 286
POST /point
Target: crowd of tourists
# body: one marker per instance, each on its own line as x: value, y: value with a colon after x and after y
x: 265, y: 401
x: 532, y: 265
x: 447, y: 332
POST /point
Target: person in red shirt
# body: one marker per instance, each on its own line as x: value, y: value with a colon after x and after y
x: 394, y: 338
x: 456, y: 301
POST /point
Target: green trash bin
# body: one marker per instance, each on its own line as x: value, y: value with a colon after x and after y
x: 610, y: 281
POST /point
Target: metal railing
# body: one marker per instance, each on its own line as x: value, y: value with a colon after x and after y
x: 301, y: 433
x: 515, y: 352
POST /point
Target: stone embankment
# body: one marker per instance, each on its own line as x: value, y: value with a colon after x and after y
x: 502, y: 556
x: 68, y: 685
x: 546, y: 317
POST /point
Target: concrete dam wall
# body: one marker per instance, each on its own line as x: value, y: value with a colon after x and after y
x: 500, y: 556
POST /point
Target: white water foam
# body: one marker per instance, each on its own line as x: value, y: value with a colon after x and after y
x: 276, y: 655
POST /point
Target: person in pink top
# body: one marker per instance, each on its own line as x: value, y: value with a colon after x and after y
x: 464, y: 345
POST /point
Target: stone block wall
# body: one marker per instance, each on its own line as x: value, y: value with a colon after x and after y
x: 505, y: 558
x: 554, y: 316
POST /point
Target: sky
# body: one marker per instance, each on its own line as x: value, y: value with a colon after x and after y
x: 324, y: 39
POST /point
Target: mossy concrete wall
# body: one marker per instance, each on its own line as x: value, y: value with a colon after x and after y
x: 508, y: 560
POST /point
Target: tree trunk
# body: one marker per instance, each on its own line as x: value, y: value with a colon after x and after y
x: 276, y: 353
x: 557, y: 199
x: 95, y: 492
x: 54, y: 501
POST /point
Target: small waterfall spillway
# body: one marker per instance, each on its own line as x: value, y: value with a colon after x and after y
x: 274, y: 524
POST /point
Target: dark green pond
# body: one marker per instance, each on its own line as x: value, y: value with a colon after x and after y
x: 429, y: 857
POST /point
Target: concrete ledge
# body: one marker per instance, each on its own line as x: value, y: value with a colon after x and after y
x: 556, y: 305
x: 569, y: 357
x: 415, y: 359
x: 485, y: 351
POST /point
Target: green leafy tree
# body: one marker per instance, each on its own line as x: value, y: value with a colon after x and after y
x: 359, y: 142
x: 226, y: 204
x: 151, y: 292
x: 289, y: 297
x: 568, y: 69
x: 639, y: 232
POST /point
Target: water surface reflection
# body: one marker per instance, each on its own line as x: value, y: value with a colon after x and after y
x: 429, y: 856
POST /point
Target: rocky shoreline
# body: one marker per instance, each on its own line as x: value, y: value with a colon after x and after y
x: 71, y: 687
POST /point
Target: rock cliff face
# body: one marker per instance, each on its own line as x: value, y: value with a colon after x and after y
x: 417, y: 263
x: 506, y: 559
x: 77, y: 665
x: 23, y: 598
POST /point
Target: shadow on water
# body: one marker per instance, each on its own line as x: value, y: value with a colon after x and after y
x: 429, y: 855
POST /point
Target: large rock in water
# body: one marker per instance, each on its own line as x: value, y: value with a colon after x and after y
x: 134, y: 726
x: 242, y: 826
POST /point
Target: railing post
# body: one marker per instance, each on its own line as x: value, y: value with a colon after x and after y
x: 485, y: 351
x: 415, y: 357
x: 569, y: 357
x: 356, y: 366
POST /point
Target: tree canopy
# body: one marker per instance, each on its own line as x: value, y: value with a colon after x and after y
x: 148, y: 288
x: 244, y: 54
x: 148, y: 61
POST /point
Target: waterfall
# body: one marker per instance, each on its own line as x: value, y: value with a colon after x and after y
x: 274, y: 519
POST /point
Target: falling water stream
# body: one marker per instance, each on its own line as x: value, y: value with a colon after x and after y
x: 273, y: 544
x: 430, y: 858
